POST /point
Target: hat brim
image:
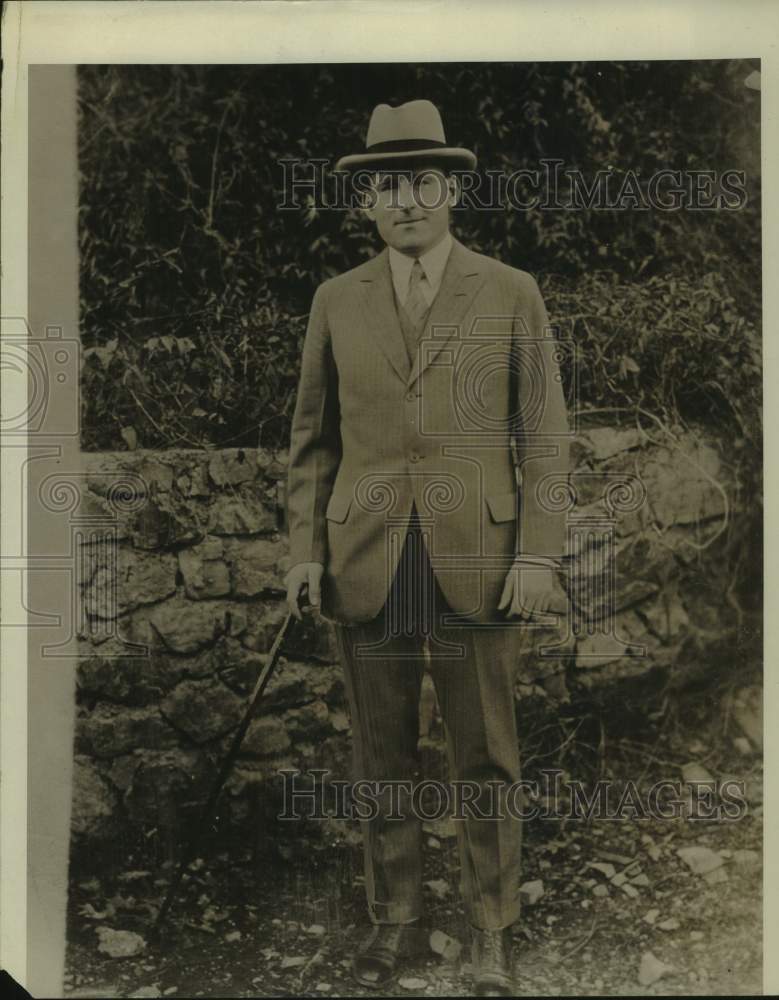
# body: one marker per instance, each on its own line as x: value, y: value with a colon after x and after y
x: 452, y: 156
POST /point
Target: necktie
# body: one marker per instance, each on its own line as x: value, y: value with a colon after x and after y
x: 416, y: 306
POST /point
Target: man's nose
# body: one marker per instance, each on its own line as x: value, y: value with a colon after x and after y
x: 405, y: 194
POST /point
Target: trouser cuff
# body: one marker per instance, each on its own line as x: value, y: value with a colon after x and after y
x: 395, y: 913
x: 492, y: 919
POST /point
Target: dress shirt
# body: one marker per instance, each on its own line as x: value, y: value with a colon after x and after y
x: 433, y: 263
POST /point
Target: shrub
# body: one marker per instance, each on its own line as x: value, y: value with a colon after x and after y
x: 195, y: 287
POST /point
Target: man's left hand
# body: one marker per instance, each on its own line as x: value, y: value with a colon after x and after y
x: 529, y: 591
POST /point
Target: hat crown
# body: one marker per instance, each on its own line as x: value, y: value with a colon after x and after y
x: 410, y: 132
x: 413, y: 121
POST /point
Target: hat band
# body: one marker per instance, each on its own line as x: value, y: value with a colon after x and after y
x: 404, y: 145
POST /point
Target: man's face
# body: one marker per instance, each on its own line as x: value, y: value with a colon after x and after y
x: 411, y: 207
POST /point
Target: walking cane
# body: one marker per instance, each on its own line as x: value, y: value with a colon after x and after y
x: 189, y: 853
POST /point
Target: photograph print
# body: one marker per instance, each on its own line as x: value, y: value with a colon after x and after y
x: 420, y: 614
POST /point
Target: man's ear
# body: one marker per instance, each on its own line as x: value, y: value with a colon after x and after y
x: 368, y: 197
x: 368, y: 205
x: 454, y: 190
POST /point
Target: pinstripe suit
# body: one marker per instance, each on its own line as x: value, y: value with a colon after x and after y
x: 401, y: 484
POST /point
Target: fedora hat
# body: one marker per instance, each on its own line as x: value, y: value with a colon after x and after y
x: 412, y: 131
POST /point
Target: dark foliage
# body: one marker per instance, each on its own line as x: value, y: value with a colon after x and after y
x: 196, y: 287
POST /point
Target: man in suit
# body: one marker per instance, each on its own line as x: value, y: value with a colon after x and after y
x: 429, y: 392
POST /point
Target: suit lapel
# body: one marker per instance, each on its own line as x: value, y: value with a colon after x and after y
x: 463, y: 277
x: 381, y: 316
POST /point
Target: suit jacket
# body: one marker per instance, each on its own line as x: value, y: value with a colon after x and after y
x: 374, y: 433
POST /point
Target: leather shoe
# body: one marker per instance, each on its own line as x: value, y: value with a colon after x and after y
x: 377, y: 961
x: 491, y: 956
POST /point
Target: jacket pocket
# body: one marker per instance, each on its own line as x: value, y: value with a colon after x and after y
x: 502, y: 506
x: 338, y: 507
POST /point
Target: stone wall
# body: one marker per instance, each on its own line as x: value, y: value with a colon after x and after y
x: 182, y: 555
x: 181, y: 591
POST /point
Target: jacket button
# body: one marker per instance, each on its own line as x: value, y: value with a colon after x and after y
x: 410, y: 397
x: 413, y: 457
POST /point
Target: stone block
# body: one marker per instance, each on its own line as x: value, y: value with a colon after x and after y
x: 137, y: 630
x: 94, y: 804
x: 288, y: 686
x: 666, y: 615
x: 161, y: 524
x: 327, y: 683
x: 100, y: 597
x: 115, y: 476
x: 238, y: 619
x: 594, y: 650
x: 145, y: 578
x: 309, y: 722
x: 109, y: 731
x: 104, y: 515
x: 192, y: 481
x: 236, y: 665
x: 682, y: 484
x: 254, y: 565
x: 203, y: 710
x: 292, y: 684
x: 131, y: 680
x: 273, y: 465
x: 232, y: 467
x: 205, y: 572
x: 186, y: 626
x: 244, y: 513
x: 265, y: 737
x: 122, y: 769
x: 596, y: 598
x: 156, y: 474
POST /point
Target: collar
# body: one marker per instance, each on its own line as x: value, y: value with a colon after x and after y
x: 433, y: 263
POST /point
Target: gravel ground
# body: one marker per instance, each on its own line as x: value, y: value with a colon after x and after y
x: 284, y: 920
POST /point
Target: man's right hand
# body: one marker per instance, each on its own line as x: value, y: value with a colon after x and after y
x: 309, y: 575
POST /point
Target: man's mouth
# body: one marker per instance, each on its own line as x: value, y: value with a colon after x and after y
x: 408, y: 222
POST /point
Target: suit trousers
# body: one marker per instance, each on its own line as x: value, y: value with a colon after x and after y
x: 473, y: 670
